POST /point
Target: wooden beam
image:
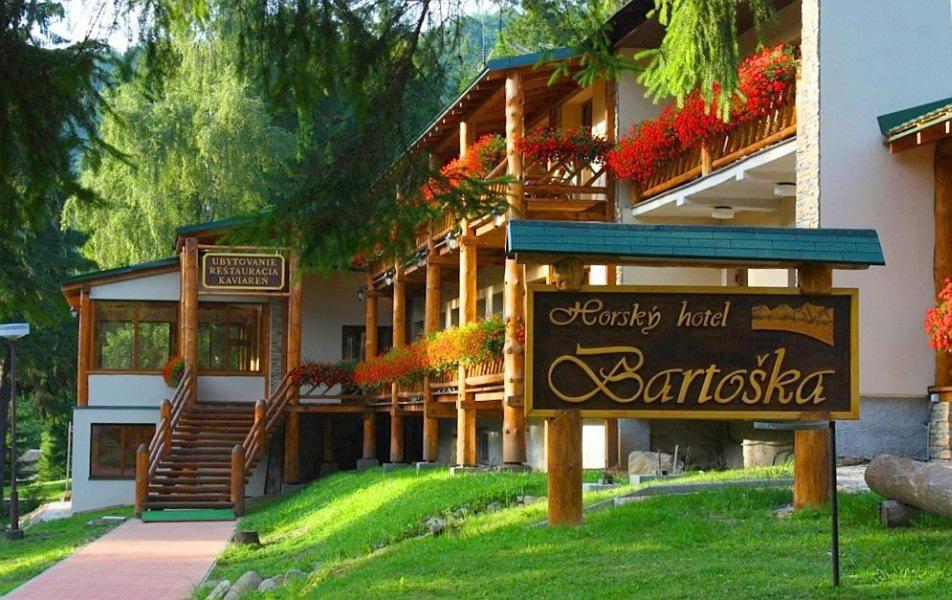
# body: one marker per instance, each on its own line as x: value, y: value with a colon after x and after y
x: 942, y: 254
x: 84, y: 354
x: 294, y: 316
x: 370, y: 320
x: 514, y: 418
x: 431, y: 324
x: 399, y: 341
x: 811, y: 447
x: 466, y: 417
x: 189, y: 301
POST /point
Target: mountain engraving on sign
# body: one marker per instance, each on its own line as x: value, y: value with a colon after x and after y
x: 715, y: 353
x: 262, y: 272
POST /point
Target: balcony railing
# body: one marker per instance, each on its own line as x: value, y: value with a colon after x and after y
x: 776, y: 126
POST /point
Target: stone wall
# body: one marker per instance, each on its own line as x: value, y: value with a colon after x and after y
x: 808, y: 118
x: 940, y: 444
x: 278, y: 327
x: 886, y: 426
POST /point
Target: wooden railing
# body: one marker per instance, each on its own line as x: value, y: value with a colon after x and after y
x: 776, y: 126
x: 149, y: 457
x: 267, y: 415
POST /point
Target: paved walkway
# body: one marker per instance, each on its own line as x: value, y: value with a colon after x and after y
x: 145, y: 561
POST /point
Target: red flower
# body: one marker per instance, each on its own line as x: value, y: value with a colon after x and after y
x: 573, y: 147
x: 173, y: 370
x: 938, y: 321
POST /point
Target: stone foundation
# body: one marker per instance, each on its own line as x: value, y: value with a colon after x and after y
x: 940, y: 444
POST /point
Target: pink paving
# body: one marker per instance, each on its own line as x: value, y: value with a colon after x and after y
x: 146, y: 561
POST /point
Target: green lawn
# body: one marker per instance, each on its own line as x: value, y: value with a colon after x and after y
x: 365, y: 529
x: 42, y: 492
x: 46, y: 544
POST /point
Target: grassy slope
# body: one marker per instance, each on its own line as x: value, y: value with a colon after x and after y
x: 46, y: 491
x: 365, y: 529
x: 46, y: 544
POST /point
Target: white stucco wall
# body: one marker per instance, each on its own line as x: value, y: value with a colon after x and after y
x: 328, y: 303
x: 164, y: 286
x: 877, y: 57
x: 120, y: 389
x: 230, y: 388
x: 89, y: 494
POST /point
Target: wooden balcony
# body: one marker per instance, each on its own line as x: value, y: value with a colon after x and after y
x: 780, y: 124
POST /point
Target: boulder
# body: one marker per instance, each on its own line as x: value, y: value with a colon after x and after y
x: 927, y: 486
x: 893, y: 513
x: 643, y: 462
x: 298, y: 573
x: 246, y: 583
x: 268, y: 585
x: 494, y: 507
x: 219, y: 591
x: 436, y: 526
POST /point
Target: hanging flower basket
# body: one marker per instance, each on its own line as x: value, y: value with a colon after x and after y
x: 575, y: 148
x: 324, y: 374
x: 938, y: 321
x: 173, y: 370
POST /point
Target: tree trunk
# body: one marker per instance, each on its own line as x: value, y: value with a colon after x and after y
x: 924, y: 485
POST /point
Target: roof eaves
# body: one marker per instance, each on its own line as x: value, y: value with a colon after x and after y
x: 903, y: 122
x: 136, y: 268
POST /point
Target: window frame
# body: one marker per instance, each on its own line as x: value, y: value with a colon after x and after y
x: 264, y: 341
x: 122, y: 468
x: 95, y: 354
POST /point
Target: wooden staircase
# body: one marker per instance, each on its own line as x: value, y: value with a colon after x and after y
x: 196, y: 471
x: 203, y: 454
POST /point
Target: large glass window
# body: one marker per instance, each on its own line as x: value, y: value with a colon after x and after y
x: 354, y: 338
x: 134, y: 336
x: 230, y: 337
x: 112, y: 453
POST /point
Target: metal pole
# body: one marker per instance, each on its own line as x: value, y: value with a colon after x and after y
x: 834, y: 509
x: 15, y: 532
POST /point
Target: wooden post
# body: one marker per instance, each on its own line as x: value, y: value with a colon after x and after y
x: 370, y: 351
x: 612, y: 448
x: 189, y: 333
x: 811, y: 447
x: 142, y: 478
x: 261, y: 424
x: 513, y: 415
x: 564, y: 433
x: 165, y: 411
x: 292, y: 445
x: 238, y: 480
x: 292, y: 423
x: 707, y: 160
x: 431, y: 324
x: 83, y: 355
x: 399, y: 341
x: 942, y: 257
x: 465, y: 414
x: 327, y: 438
x: 370, y: 436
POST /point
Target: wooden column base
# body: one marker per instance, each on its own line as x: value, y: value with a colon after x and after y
x: 292, y: 441
x: 811, y: 468
x: 396, y: 438
x: 564, y: 461
x: 370, y: 436
x: 431, y: 439
x: 611, y: 444
x: 513, y: 435
x: 466, y: 437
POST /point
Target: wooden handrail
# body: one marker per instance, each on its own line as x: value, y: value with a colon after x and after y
x: 267, y: 415
x: 149, y: 456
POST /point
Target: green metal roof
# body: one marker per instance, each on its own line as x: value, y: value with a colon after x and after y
x: 229, y: 223
x: 650, y: 244
x: 146, y: 266
x: 898, y: 122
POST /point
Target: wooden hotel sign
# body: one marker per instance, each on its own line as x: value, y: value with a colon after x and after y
x: 699, y: 353
x: 258, y: 272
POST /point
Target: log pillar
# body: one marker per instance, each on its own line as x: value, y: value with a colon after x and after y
x: 292, y: 427
x: 811, y: 447
x: 83, y: 355
x: 465, y: 413
x: 399, y: 341
x: 370, y: 351
x: 189, y: 308
x: 431, y: 324
x: 564, y: 432
x: 514, y: 292
x: 942, y: 257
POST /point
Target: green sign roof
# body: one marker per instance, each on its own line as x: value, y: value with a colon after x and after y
x: 908, y: 118
x: 535, y: 241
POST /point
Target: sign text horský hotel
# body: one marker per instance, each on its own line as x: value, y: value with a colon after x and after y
x: 227, y: 271
x: 714, y: 353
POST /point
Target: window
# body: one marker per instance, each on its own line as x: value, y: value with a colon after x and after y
x: 587, y: 114
x: 134, y: 336
x: 112, y: 454
x: 355, y: 342
x: 230, y: 337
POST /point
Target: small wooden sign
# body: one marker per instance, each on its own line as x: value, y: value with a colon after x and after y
x: 692, y: 353
x: 228, y: 271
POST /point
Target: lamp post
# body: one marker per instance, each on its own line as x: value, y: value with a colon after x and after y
x: 12, y: 332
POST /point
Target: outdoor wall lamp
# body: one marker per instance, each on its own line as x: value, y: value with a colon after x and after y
x: 421, y: 257
x: 785, y: 189
x: 13, y: 332
x: 499, y: 217
x: 452, y: 240
x: 388, y: 278
x: 361, y: 293
x: 722, y: 212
